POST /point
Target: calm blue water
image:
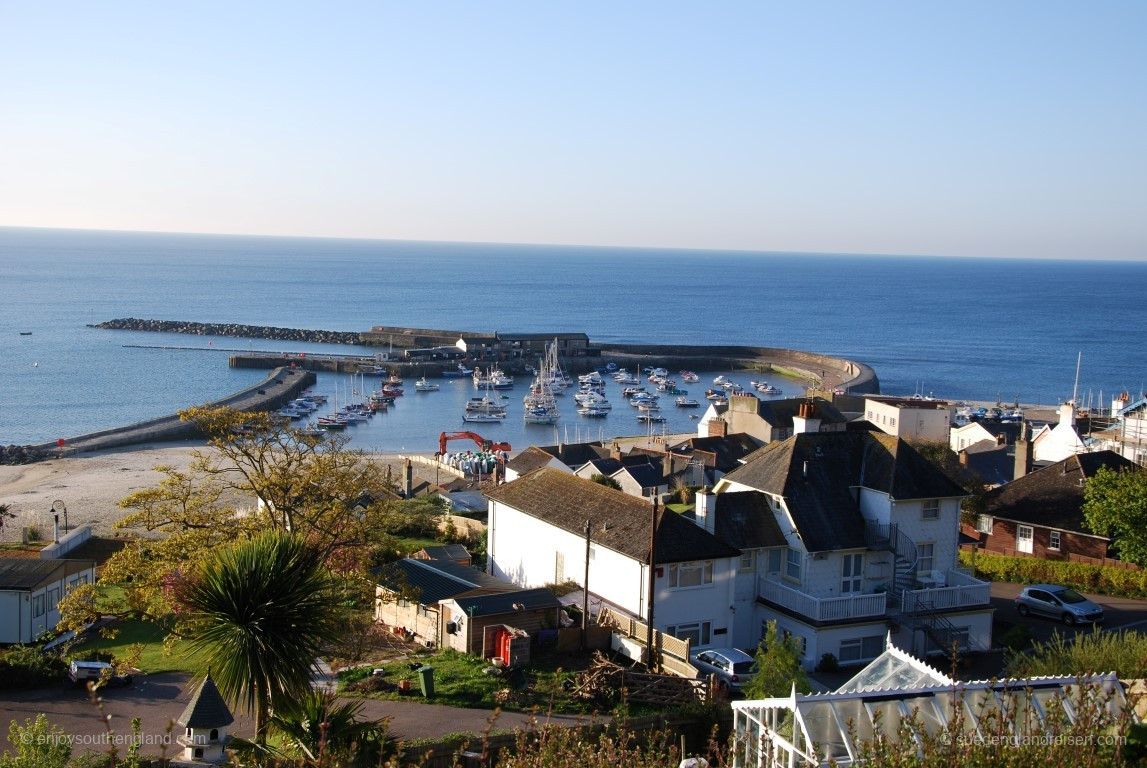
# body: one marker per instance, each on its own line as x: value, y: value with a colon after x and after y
x: 959, y: 328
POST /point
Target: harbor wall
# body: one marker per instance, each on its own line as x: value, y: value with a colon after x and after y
x: 281, y: 386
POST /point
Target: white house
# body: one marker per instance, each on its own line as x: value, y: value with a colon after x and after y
x: 1056, y: 443
x: 30, y: 593
x: 870, y: 533
x: 545, y: 526
x: 910, y: 418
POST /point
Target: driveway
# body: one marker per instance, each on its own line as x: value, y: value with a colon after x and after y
x: 159, y: 699
x: 1118, y: 612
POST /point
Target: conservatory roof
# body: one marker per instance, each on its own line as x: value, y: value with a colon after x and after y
x: 895, y: 689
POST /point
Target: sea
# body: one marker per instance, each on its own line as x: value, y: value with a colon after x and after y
x: 955, y: 328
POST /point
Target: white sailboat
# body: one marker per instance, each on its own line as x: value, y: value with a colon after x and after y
x: 541, y: 406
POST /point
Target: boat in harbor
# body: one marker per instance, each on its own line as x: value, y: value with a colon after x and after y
x: 593, y: 411
x: 422, y: 385
x: 479, y: 417
x: 768, y: 389
x: 650, y: 418
x: 493, y: 379
x: 541, y: 406
x: 686, y: 402
x: 460, y: 372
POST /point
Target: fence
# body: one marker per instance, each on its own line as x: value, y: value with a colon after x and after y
x: 672, y: 654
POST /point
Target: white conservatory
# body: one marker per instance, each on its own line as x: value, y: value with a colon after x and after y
x: 832, y: 728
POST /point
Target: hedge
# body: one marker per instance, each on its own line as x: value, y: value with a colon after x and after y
x: 1097, y: 579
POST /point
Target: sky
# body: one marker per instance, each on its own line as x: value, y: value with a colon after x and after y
x: 972, y: 128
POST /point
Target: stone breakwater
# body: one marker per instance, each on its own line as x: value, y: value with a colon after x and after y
x: 232, y: 330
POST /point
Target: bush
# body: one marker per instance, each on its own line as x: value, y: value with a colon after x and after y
x: 1123, y: 652
x: 1016, y: 637
x: 1099, y: 579
x: 828, y: 664
x: 26, y: 667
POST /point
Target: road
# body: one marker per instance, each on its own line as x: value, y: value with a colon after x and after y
x: 1118, y: 612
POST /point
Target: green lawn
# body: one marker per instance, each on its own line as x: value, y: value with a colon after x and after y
x: 153, y: 659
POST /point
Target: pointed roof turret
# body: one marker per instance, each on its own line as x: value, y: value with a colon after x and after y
x: 207, y: 709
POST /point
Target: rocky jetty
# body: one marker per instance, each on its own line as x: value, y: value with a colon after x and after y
x: 21, y: 454
x: 231, y: 329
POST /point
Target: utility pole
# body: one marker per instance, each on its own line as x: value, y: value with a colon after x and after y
x: 585, y: 589
x: 652, y: 585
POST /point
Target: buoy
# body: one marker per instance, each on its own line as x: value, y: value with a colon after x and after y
x: 35, y: 365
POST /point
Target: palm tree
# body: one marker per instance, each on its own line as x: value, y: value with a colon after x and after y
x: 322, y: 731
x: 259, y: 612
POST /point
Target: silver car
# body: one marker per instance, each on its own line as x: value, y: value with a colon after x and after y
x: 1057, y: 602
x: 731, y: 666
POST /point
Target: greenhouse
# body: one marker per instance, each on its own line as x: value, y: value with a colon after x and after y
x: 913, y: 706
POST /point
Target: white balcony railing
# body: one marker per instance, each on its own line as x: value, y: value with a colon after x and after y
x: 960, y: 591
x: 822, y: 608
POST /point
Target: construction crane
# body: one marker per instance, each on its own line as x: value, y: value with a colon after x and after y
x: 483, y: 443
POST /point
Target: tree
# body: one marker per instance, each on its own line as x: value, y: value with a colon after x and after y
x: 321, y: 731
x: 777, y: 667
x: 260, y: 611
x: 605, y: 480
x: 38, y: 744
x: 1115, y: 505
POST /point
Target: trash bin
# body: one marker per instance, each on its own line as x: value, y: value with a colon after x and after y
x: 426, y: 680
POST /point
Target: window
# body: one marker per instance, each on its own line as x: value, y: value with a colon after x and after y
x: 858, y: 648
x: 1024, y: 538
x: 984, y: 524
x: 851, y: 573
x: 930, y: 509
x: 793, y: 564
x: 774, y: 560
x: 53, y: 598
x: 802, y: 643
x: 37, y: 606
x: 697, y: 633
x: 684, y: 575
x: 748, y: 560
x: 1053, y: 542
x: 925, y: 556
x: 892, y: 422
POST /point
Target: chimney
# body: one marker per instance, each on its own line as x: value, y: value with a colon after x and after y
x: 407, y: 478
x: 1023, y: 454
x: 667, y: 465
x: 1067, y: 413
x: 805, y: 420
x: 718, y: 428
x: 705, y: 509
x: 615, y: 451
x: 963, y: 456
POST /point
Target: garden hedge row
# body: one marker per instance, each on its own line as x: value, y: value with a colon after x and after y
x: 1099, y: 579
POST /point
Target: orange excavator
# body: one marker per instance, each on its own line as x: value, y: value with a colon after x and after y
x: 483, y: 443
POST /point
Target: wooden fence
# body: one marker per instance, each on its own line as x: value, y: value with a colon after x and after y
x: 671, y: 654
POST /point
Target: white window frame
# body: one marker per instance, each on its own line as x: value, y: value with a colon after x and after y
x: 852, y: 573
x: 748, y: 562
x: 703, y: 630
x: 1028, y: 547
x: 775, y: 561
x: 1055, y: 540
x: 926, y: 562
x: 53, y: 598
x: 930, y: 509
x: 794, y: 562
x: 984, y: 524
x: 37, y: 606
x: 703, y: 569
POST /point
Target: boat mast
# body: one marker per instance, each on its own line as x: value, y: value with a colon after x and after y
x: 1075, y: 390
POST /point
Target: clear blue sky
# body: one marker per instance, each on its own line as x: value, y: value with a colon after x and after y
x: 989, y: 128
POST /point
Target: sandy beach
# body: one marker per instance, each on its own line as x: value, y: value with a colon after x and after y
x: 90, y: 485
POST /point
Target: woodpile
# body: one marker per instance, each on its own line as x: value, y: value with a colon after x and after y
x: 605, y: 681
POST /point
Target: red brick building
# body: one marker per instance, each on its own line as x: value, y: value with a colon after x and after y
x: 1041, y: 514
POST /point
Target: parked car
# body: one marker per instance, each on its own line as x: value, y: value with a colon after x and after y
x: 1057, y: 602
x: 99, y: 673
x: 732, y: 666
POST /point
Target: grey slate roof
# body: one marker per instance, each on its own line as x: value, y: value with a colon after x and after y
x: 437, y: 580
x: 447, y: 552
x: 24, y: 574
x: 746, y: 521
x: 780, y: 413
x: 620, y: 521
x: 528, y: 460
x: 1053, y: 496
x: 645, y: 475
x: 206, y: 708
x: 723, y: 453
x: 816, y: 473
x: 492, y: 605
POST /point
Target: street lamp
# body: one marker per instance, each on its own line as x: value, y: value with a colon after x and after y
x: 59, y: 506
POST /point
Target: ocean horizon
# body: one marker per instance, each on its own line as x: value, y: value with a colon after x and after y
x: 956, y: 328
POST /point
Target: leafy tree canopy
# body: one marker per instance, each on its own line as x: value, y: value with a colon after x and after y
x: 1115, y: 505
x: 777, y: 668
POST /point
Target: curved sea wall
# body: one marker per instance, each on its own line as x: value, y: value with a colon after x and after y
x: 280, y: 386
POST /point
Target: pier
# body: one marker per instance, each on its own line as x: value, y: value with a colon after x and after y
x: 281, y: 386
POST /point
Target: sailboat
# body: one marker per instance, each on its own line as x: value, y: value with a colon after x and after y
x: 541, y: 407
